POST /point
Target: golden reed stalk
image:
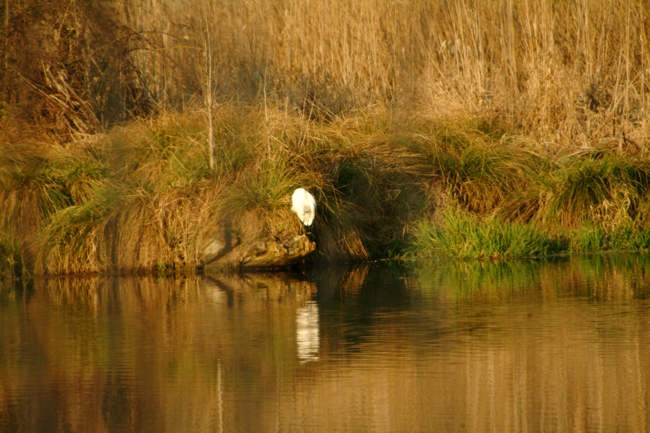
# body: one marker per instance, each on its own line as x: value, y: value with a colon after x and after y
x: 567, y: 72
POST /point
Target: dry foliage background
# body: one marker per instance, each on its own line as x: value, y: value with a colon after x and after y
x: 565, y: 72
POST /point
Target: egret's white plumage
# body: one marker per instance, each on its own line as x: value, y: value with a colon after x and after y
x: 304, y: 205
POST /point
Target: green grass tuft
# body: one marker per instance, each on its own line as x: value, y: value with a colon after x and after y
x: 600, y: 186
x: 462, y: 235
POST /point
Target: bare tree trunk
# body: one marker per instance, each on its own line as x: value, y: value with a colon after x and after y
x: 208, y: 87
x: 5, y: 50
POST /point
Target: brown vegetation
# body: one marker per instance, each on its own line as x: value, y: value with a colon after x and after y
x: 385, y: 111
x: 566, y: 73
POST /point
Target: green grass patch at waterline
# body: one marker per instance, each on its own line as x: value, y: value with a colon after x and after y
x: 463, y: 235
x: 590, y: 238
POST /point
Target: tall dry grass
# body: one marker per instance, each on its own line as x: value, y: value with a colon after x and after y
x: 568, y: 73
x: 565, y: 73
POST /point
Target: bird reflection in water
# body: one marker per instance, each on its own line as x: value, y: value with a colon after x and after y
x: 307, y: 334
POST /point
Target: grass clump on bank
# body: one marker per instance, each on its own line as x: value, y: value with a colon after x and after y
x: 590, y: 201
x: 143, y: 197
x: 462, y: 235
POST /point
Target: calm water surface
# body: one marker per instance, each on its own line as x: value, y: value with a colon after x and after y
x: 554, y: 346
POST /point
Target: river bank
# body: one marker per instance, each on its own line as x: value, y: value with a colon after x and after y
x: 142, y: 197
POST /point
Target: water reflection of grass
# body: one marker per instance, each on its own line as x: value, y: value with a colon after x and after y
x: 90, y: 346
x: 223, y: 353
x: 599, y: 277
x: 471, y: 279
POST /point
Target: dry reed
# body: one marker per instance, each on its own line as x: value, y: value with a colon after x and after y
x: 569, y: 74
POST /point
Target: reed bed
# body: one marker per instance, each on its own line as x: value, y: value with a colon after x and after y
x: 566, y: 74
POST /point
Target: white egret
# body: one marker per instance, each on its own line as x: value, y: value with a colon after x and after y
x: 304, y: 205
